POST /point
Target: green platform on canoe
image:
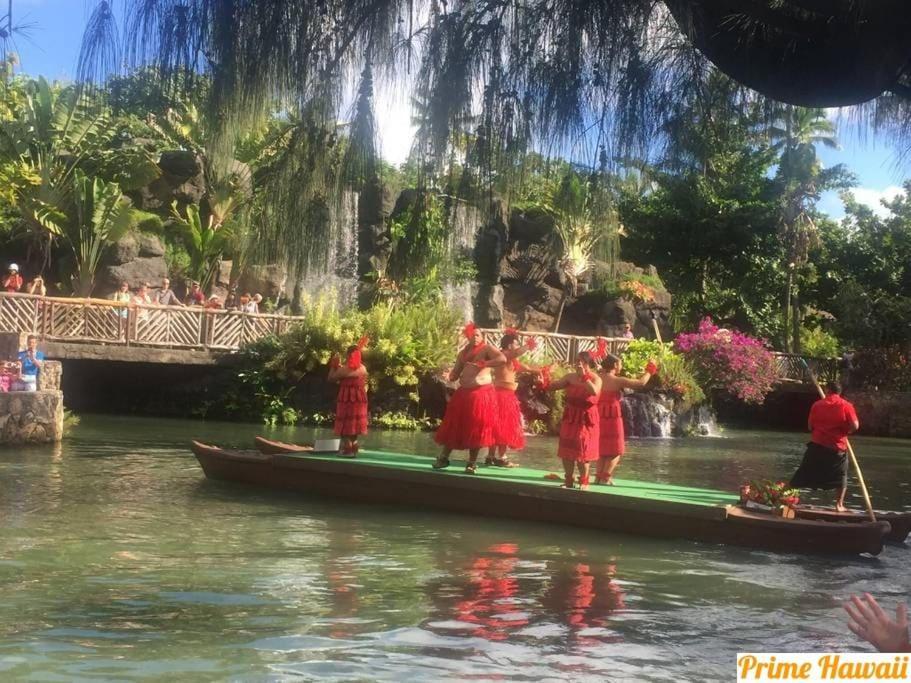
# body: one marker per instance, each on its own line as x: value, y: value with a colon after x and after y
x: 523, y: 475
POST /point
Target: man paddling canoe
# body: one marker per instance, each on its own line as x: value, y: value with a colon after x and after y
x: 825, y: 462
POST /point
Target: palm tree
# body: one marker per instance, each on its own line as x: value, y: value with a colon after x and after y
x: 795, y: 134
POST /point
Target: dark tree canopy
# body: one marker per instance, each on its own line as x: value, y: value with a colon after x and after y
x: 595, y: 74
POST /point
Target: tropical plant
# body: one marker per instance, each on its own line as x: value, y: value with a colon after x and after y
x: 52, y: 136
x: 206, y: 241
x: 675, y: 373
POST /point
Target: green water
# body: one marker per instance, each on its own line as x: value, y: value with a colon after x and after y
x: 119, y: 561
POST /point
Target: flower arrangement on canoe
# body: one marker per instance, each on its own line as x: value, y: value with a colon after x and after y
x: 773, y: 494
x: 730, y: 360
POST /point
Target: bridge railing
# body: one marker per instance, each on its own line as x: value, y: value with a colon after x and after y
x: 562, y: 348
x: 791, y: 368
x: 126, y: 324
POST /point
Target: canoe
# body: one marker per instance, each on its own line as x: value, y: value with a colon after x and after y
x: 632, y: 507
x: 275, y: 447
x: 899, y: 522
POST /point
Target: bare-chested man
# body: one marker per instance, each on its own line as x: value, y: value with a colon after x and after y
x: 471, y: 413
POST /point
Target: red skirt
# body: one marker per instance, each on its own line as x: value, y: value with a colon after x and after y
x: 469, y: 420
x: 351, y: 408
x: 508, y: 428
x: 579, y: 434
x: 612, y: 439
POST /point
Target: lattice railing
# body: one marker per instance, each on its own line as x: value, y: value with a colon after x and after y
x: 791, y: 368
x: 109, y: 322
x: 560, y: 348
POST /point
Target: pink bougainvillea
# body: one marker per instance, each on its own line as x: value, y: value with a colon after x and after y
x: 731, y: 360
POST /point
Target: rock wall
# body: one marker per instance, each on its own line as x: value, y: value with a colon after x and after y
x: 31, y: 417
x: 883, y: 413
x: 133, y: 259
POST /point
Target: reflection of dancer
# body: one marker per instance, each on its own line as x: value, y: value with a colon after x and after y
x: 471, y: 412
x: 584, y: 595
x: 351, y: 406
x: 490, y: 603
x: 508, y: 430
x: 579, y: 428
x: 612, y: 439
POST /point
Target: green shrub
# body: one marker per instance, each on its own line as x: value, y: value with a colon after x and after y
x: 676, y: 373
x: 818, y: 343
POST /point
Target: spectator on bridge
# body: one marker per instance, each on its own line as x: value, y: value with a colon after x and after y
x: 36, y: 286
x: 122, y: 296
x: 30, y: 362
x: 252, y: 306
x: 166, y: 296
x: 13, y: 280
x: 231, y: 299
x: 213, y: 303
x: 142, y: 297
x: 195, y: 297
x: 627, y: 331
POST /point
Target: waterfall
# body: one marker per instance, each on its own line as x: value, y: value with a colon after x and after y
x: 338, y: 273
x: 465, y: 221
x: 658, y: 415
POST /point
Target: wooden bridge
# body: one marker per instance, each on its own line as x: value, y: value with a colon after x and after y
x: 101, y: 329
x: 97, y: 328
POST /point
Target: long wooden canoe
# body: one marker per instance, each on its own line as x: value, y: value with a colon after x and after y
x: 270, y: 447
x: 899, y: 522
x: 633, y: 507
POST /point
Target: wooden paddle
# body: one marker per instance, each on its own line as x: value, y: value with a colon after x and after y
x: 860, y: 476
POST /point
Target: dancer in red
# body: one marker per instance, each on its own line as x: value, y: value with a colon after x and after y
x: 580, y: 427
x: 612, y: 441
x: 509, y: 431
x: 351, y: 406
x: 472, y: 411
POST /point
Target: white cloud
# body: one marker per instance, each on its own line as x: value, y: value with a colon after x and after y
x: 873, y: 197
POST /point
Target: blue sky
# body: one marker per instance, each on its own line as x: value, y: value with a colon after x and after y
x: 52, y: 47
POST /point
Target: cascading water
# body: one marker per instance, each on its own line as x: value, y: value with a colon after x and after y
x: 337, y: 273
x: 465, y: 222
x: 657, y: 415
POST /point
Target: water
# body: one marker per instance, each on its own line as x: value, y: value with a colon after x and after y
x: 119, y: 561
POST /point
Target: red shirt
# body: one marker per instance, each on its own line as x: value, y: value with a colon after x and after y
x: 12, y: 283
x: 832, y: 419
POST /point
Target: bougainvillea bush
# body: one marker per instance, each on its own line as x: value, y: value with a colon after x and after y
x: 729, y: 360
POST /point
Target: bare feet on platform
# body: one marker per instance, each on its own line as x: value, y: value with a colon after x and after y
x: 840, y: 508
x: 441, y: 463
x: 471, y: 468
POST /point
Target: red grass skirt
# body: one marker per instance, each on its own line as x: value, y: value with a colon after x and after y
x: 579, y: 433
x: 612, y: 439
x: 351, y: 407
x: 508, y: 428
x: 469, y: 420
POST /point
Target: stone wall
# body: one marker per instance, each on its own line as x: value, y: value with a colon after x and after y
x: 883, y: 413
x: 31, y: 417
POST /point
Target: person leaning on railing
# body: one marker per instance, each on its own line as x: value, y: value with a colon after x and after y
x: 122, y: 296
x: 13, y: 280
x: 37, y: 287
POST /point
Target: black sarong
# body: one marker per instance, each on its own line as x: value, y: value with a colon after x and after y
x: 822, y: 468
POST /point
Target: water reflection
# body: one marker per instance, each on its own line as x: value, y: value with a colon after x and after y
x: 118, y: 559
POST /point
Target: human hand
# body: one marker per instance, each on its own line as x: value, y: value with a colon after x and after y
x: 335, y: 361
x: 869, y: 621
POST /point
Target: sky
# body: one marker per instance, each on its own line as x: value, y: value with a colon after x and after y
x: 51, y: 49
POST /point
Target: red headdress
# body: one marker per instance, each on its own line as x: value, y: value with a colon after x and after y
x: 469, y: 330
x: 601, y: 351
x: 354, y: 358
x: 511, y: 330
